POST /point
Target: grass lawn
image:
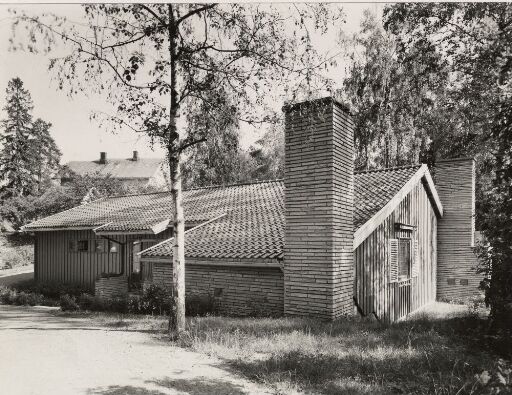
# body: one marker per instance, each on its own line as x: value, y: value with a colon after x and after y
x: 435, y: 352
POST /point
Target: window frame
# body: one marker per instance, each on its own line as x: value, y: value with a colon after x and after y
x: 85, y: 242
x: 410, y: 241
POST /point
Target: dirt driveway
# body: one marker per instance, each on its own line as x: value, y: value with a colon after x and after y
x: 43, y: 354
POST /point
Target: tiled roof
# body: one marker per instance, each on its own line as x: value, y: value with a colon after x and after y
x: 251, y: 223
x: 117, y: 168
x: 374, y: 188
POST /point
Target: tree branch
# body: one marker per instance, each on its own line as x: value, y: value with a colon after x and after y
x: 194, y: 12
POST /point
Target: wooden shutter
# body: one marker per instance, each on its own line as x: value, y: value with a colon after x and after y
x: 393, y: 260
x: 415, y: 264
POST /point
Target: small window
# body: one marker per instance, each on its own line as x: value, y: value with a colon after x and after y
x: 72, y: 246
x: 404, y: 258
x: 217, y: 292
x: 112, y: 247
x: 83, y: 245
x: 451, y: 281
x: 99, y: 246
x: 464, y: 281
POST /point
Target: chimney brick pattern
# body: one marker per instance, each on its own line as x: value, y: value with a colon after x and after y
x: 456, y: 261
x: 319, y: 200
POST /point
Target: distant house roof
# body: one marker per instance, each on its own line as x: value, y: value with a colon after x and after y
x: 246, y: 221
x: 117, y: 168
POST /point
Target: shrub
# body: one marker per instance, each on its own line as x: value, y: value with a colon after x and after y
x: 12, y: 296
x: 53, y: 289
x: 154, y: 300
x: 68, y: 303
x: 18, y: 256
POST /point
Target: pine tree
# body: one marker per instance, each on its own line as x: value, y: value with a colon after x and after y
x: 45, y: 152
x: 16, y: 162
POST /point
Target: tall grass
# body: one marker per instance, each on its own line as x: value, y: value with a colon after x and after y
x: 350, y: 356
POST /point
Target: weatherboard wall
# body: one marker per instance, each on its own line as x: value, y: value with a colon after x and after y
x: 53, y: 260
x: 374, y: 293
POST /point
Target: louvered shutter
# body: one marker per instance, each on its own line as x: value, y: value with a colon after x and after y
x: 415, y: 259
x: 393, y: 260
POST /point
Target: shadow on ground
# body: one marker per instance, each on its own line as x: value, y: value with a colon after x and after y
x: 193, y: 386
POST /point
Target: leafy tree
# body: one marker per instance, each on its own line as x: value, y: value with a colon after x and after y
x: 156, y: 61
x: 16, y: 163
x: 268, y: 155
x: 20, y: 210
x: 45, y: 151
x: 217, y: 160
x: 475, y: 41
x: 399, y: 100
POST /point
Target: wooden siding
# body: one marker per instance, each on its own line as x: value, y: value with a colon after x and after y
x: 373, y: 291
x: 55, y: 262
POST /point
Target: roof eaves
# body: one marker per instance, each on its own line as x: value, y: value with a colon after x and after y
x: 186, y: 232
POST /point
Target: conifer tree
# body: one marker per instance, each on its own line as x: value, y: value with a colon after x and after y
x: 16, y: 162
x: 45, y: 152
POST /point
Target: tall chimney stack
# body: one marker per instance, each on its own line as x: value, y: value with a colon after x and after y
x: 103, y: 158
x: 456, y: 261
x: 135, y: 156
x: 319, y: 200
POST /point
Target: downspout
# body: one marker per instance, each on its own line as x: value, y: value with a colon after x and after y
x: 123, y: 258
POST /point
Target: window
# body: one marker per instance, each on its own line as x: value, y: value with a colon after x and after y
x: 112, y: 247
x: 464, y: 281
x: 72, y: 246
x: 404, y: 258
x: 217, y: 292
x: 99, y: 245
x: 83, y: 245
x: 451, y: 281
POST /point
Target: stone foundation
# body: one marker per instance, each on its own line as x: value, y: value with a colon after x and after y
x: 237, y: 291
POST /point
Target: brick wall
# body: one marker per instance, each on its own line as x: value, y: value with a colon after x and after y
x: 455, y: 184
x: 111, y: 287
x: 319, y: 172
x: 238, y: 291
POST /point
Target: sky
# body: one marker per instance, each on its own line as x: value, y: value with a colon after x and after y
x: 81, y: 138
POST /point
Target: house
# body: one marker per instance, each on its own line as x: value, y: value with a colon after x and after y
x: 323, y: 242
x: 134, y: 171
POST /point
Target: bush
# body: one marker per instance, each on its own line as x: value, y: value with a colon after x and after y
x: 155, y: 300
x: 68, y: 303
x: 18, y: 256
x: 53, y: 289
x: 12, y: 296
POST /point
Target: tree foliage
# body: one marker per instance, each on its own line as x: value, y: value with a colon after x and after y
x: 401, y: 98
x: 156, y: 61
x: 475, y: 42
x: 20, y: 210
x: 29, y: 155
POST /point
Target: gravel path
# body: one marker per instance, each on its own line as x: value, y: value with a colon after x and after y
x: 43, y: 354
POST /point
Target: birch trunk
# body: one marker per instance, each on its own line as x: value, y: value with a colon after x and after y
x: 178, y: 256
x: 177, y: 316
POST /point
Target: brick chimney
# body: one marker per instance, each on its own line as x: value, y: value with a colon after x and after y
x: 103, y: 158
x: 455, y: 184
x: 135, y: 157
x: 319, y: 182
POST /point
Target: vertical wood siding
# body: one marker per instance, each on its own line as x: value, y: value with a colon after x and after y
x: 55, y: 262
x: 373, y: 291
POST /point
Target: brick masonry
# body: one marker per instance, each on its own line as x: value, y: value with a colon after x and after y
x: 319, y: 181
x: 111, y: 287
x: 456, y: 261
x: 238, y: 291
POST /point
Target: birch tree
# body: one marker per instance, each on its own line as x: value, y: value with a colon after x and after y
x: 156, y: 61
